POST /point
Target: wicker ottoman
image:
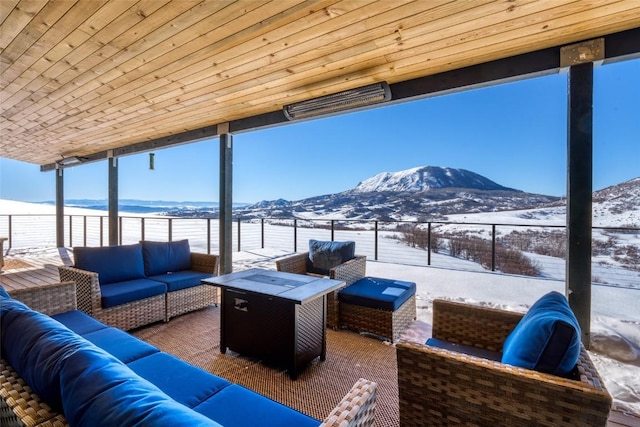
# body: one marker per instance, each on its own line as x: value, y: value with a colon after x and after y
x: 381, y: 307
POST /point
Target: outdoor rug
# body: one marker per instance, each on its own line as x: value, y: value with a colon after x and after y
x: 194, y: 337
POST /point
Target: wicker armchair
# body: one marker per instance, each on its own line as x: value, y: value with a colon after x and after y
x: 349, y: 271
x: 439, y: 387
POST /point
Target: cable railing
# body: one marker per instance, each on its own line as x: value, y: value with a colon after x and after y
x: 521, y: 249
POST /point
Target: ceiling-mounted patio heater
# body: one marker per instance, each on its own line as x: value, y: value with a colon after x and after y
x: 345, y: 100
x: 68, y: 161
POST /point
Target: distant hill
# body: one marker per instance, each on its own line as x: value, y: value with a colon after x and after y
x: 414, y: 194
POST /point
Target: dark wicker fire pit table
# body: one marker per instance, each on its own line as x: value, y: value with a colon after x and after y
x: 275, y: 316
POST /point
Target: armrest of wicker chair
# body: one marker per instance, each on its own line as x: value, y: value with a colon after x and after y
x: 349, y: 272
x: 293, y: 264
x: 436, y: 386
x: 357, y: 407
x: 205, y: 263
x: 48, y: 299
x: 481, y: 327
x: 88, y: 292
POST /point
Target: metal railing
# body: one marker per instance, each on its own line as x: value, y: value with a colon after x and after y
x: 525, y: 249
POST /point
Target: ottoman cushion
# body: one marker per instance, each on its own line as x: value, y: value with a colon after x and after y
x: 375, y: 292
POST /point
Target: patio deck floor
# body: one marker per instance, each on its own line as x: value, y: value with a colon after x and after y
x: 349, y: 355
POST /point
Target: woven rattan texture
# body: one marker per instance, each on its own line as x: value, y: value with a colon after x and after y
x: 22, y: 407
x: 441, y: 388
x: 57, y: 298
x: 194, y: 337
x: 189, y: 299
x: 383, y: 323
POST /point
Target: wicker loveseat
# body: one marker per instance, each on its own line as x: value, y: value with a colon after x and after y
x: 60, y: 367
x: 442, y: 386
x: 130, y: 286
x: 350, y: 270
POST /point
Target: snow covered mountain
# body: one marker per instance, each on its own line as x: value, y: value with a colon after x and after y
x: 415, y: 194
x: 426, y: 178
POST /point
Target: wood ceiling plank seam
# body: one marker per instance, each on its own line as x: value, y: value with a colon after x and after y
x: 29, y: 35
x: 71, y: 51
x: 348, y: 54
x: 142, y: 85
x: 154, y: 84
x: 450, y: 63
x: 136, y: 13
x: 14, y: 16
x: 562, y: 28
x: 178, y: 93
x: 521, y: 16
x: 71, y: 90
x: 51, y: 34
x: 128, y: 91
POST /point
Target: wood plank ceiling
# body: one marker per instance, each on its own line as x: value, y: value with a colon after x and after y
x: 85, y: 76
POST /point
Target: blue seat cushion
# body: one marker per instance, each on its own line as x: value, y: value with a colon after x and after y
x: 376, y: 292
x: 112, y: 263
x: 547, y: 338
x: 120, y: 344
x: 236, y: 406
x: 98, y: 390
x: 164, y: 257
x: 79, y: 322
x: 181, y: 279
x: 131, y: 290
x: 323, y: 255
x: 183, y: 382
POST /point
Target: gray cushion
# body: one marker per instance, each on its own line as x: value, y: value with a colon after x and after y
x: 323, y: 256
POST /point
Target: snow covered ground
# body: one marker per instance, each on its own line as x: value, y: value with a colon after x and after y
x: 615, y: 317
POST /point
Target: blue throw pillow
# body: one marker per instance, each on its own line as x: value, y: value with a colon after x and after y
x: 165, y: 257
x: 323, y: 256
x: 112, y: 263
x: 547, y: 338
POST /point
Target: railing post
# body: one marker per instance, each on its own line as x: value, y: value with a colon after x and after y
x: 10, y: 231
x: 428, y: 243
x: 375, y: 240
x: 239, y: 240
x: 70, y: 231
x: 84, y: 230
x: 209, y: 235
x: 332, y: 230
x: 493, y: 247
x: 142, y: 233
x: 120, y: 230
x: 295, y: 235
x: 101, y: 231
x: 170, y: 229
x: 262, y: 232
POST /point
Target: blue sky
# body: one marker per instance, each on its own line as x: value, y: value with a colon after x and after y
x: 514, y: 134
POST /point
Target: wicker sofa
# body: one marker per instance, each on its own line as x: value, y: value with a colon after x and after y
x: 443, y: 386
x: 60, y: 367
x: 130, y: 286
x: 349, y: 271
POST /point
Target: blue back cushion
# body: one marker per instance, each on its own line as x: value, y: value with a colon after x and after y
x: 112, y: 263
x: 35, y: 345
x: 163, y: 257
x: 98, y: 390
x: 547, y: 338
x: 323, y: 256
